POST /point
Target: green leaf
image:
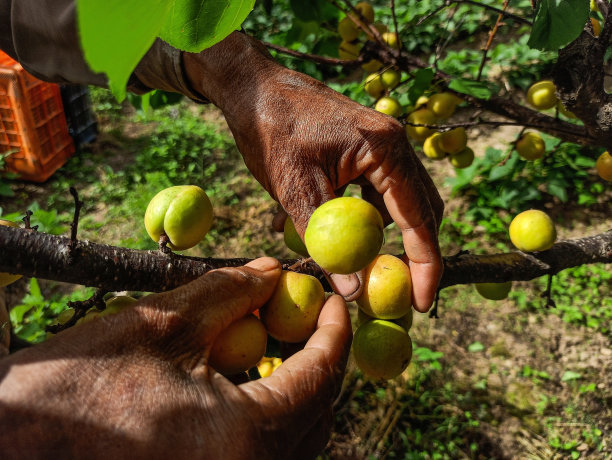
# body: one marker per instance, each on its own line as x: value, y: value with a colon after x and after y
x: 569, y: 375
x: 306, y: 11
x: 476, y: 347
x: 195, y: 25
x: 557, y: 23
x: 35, y: 289
x: 472, y: 87
x: 17, y: 313
x: 116, y: 34
x: 421, y: 81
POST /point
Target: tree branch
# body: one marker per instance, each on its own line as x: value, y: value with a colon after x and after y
x: 114, y: 269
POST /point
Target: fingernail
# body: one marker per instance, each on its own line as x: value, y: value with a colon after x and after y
x: 348, y: 286
x: 264, y: 264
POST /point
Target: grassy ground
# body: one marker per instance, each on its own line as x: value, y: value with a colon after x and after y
x: 507, y: 379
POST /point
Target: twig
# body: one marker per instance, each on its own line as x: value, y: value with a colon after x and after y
x: 314, y: 57
x: 550, y: 303
x: 395, y: 27
x: 26, y: 221
x: 497, y: 10
x: 433, y: 313
x: 80, y: 308
x: 490, y: 40
x: 434, y: 12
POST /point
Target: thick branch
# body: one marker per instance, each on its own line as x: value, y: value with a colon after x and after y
x: 113, y: 268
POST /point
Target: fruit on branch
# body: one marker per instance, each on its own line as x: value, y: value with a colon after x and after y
x: 239, y: 347
x: 372, y: 66
x: 292, y: 238
x: 453, y: 141
x: 387, y: 289
x: 531, y: 146
x: 431, y: 147
x: 391, y: 39
x: 382, y: 349
x: 389, y: 106
x: 443, y: 105
x: 462, y: 159
x: 382, y: 28
x: 183, y: 213
x: 596, y: 27
x: 366, y: 10
x: 349, y: 51
x: 344, y: 235
x: 421, y: 117
x: 564, y: 111
x: 292, y: 312
x: 541, y: 95
x: 421, y: 101
x: 404, y: 322
x: 268, y: 365
x: 494, y: 291
x: 604, y: 166
x: 390, y: 78
x: 117, y: 303
x: 533, y: 230
x: 348, y: 30
x: 8, y: 278
x: 373, y: 85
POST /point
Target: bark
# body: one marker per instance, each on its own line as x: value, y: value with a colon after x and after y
x: 112, y: 268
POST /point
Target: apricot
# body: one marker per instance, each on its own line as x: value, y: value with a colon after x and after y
x: 532, y: 230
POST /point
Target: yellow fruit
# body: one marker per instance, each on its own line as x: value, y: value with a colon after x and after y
x: 117, y: 303
x: 453, y: 141
x: 8, y: 278
x: 494, y: 291
x: 348, y: 30
x: 390, y: 78
x: 382, y: 349
x: 596, y: 27
x: 564, y: 111
x: 431, y: 147
x: 390, y: 38
x: 421, y: 101
x: 533, y: 230
x: 292, y: 312
x: 382, y: 28
x: 265, y: 369
x: 390, y: 106
x: 604, y: 166
x: 404, y: 322
x: 442, y: 105
x: 462, y: 159
x: 349, y: 51
x: 541, y: 95
x: 423, y: 117
x: 531, y: 146
x: 372, y: 66
x: 373, y: 85
x: 184, y: 213
x: 387, y: 289
x: 239, y: 347
x: 366, y: 10
x: 293, y: 240
x: 344, y: 235
x: 594, y: 6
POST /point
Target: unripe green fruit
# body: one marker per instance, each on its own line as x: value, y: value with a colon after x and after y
x: 293, y: 240
x: 494, y: 291
x: 349, y: 51
x: 292, y: 312
x: 533, y: 230
x: 184, y: 213
x: 117, y: 303
x: 604, y: 166
x: 382, y: 349
x: 390, y: 78
x: 390, y: 106
x: 453, y: 141
x: 531, y: 146
x: 405, y: 321
x: 541, y: 95
x: 390, y: 38
x: 422, y: 117
x: 462, y: 159
x: 431, y: 147
x: 442, y: 105
x: 348, y: 30
x: 8, y: 278
x: 387, y: 289
x: 564, y: 111
x: 366, y: 11
x: 239, y: 347
x: 372, y: 66
x: 344, y: 235
x: 65, y: 316
x: 373, y: 85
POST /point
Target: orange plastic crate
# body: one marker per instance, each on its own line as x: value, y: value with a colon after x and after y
x: 32, y: 123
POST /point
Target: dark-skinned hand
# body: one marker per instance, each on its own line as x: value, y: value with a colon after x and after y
x: 137, y: 384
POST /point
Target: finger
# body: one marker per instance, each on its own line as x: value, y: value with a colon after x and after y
x: 307, y: 383
x: 278, y: 222
x: 201, y: 309
x: 435, y: 200
x: 348, y: 286
x: 369, y: 193
x: 406, y: 198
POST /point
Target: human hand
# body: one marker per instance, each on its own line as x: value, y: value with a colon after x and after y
x: 305, y: 142
x: 137, y: 383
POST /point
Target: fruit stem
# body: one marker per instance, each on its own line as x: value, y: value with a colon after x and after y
x: 550, y: 303
x: 163, y: 244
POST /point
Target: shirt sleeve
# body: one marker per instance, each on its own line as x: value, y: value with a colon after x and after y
x: 42, y: 35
